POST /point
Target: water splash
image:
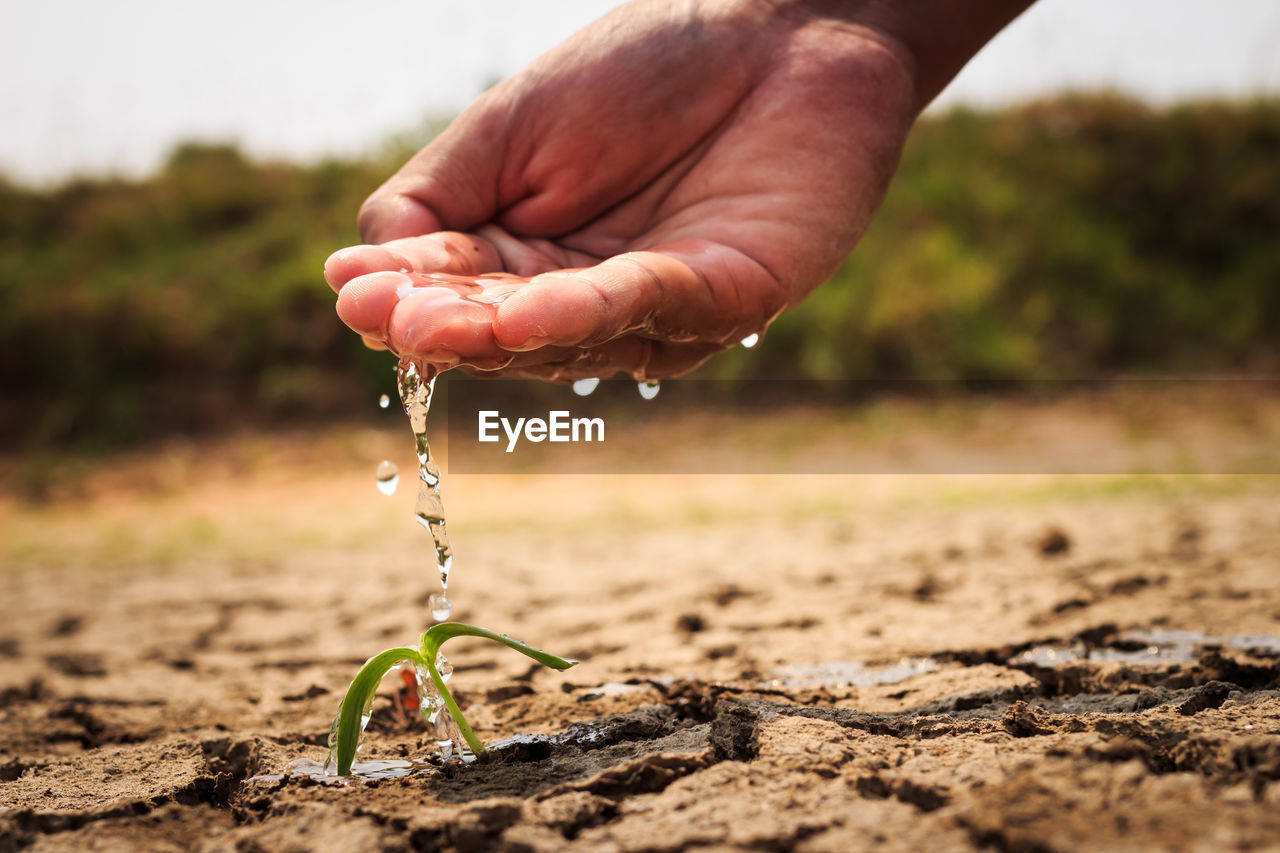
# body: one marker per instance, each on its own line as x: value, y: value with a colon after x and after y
x: 751, y: 340
x: 584, y: 387
x: 384, y: 401
x: 432, y: 708
x: 386, y: 477
x: 648, y: 390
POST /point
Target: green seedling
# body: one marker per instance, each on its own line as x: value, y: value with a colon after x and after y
x: 349, y: 723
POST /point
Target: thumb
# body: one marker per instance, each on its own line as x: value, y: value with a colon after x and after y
x: 451, y: 184
x: 393, y: 214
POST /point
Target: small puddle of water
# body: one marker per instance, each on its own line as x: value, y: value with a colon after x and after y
x: 390, y: 768
x: 1157, y: 646
x: 852, y: 673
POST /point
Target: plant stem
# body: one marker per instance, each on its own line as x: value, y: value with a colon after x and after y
x: 454, y: 711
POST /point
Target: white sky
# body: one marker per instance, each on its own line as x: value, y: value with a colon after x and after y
x: 94, y: 87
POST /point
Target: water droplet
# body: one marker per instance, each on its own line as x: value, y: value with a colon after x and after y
x: 751, y: 340
x: 331, y: 763
x: 429, y: 701
x: 648, y: 390
x: 384, y: 401
x: 440, y: 606
x: 386, y: 477
x: 584, y: 387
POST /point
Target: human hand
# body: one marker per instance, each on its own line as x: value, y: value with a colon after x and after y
x: 651, y: 191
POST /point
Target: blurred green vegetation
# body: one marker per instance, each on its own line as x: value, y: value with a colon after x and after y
x: 1083, y: 236
x: 190, y: 301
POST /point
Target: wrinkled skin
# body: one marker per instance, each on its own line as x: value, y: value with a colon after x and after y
x: 654, y: 189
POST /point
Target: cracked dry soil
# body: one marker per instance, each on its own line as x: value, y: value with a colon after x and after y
x: 146, y: 684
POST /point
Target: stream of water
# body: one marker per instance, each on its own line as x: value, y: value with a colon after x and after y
x: 416, y: 383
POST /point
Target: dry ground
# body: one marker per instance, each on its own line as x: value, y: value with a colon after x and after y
x: 769, y: 663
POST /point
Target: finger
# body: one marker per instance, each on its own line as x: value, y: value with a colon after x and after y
x: 447, y: 251
x: 442, y: 318
x: 432, y: 317
x: 354, y: 261
x: 591, y: 306
x: 439, y: 325
x: 689, y: 291
x: 444, y: 251
x: 392, y: 213
x: 530, y: 256
x: 365, y: 303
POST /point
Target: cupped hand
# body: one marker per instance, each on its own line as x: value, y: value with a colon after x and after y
x: 654, y: 189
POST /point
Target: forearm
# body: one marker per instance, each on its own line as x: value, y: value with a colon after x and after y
x: 937, y: 36
x: 942, y: 35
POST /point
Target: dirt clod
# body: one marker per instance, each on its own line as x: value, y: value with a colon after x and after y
x: 1021, y: 720
x: 1206, y: 696
x: 1053, y: 542
x: 691, y: 623
x: 734, y: 730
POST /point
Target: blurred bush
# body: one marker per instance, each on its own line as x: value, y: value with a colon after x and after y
x: 190, y: 301
x: 1079, y: 237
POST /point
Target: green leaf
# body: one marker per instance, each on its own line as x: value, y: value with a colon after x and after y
x: 434, y: 638
x: 361, y: 691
